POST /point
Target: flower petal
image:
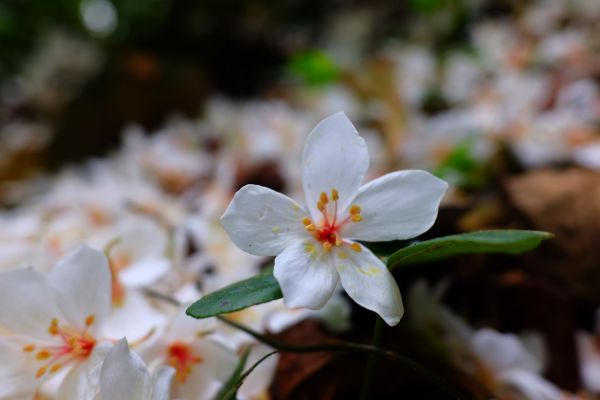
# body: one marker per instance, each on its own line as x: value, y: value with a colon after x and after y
x: 305, y: 274
x: 205, y: 379
x: 335, y: 157
x: 369, y: 283
x: 162, y: 379
x: 399, y: 205
x: 33, y: 302
x: 134, y: 319
x: 144, y: 272
x: 124, y: 375
x: 261, y: 221
x: 83, y: 278
x: 17, y: 373
x: 83, y: 380
x: 256, y: 385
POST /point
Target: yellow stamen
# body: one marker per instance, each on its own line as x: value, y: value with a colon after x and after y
x: 40, y: 372
x: 321, y: 206
x: 323, y: 199
x: 326, y: 246
x: 306, y: 221
x: 29, y: 348
x: 335, y: 195
x: 310, y: 228
x: 338, y: 241
x: 355, y: 209
x: 43, y: 354
x: 55, y: 368
x: 53, y: 328
x: 90, y: 320
x: 356, y: 247
x: 356, y: 218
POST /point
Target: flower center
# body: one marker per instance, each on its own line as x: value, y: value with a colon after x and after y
x: 74, y: 346
x: 182, y: 357
x: 327, y: 232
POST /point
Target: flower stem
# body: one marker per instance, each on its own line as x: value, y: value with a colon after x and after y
x: 356, y: 348
x: 372, y: 360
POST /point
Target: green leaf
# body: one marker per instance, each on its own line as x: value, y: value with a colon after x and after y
x: 256, y: 290
x: 314, y: 68
x: 509, y: 241
x: 231, y: 393
x: 229, y: 389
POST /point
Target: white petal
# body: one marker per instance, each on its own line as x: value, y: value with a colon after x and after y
x: 17, y: 373
x: 256, y: 385
x: 503, y: 351
x: 589, y: 359
x: 263, y: 222
x: 161, y: 383
x: 219, y: 362
x: 32, y: 303
x: 335, y: 157
x: 144, y: 272
x: 124, y: 375
x: 134, y: 319
x: 83, y: 277
x: 83, y: 380
x: 369, y: 283
x: 305, y: 274
x: 399, y: 205
x: 531, y: 385
x: 207, y: 378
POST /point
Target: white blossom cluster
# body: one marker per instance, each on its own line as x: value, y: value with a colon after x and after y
x: 99, y: 267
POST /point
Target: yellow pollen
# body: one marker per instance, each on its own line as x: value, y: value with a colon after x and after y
x: 356, y: 218
x: 355, y: 210
x: 309, y: 248
x: 90, y: 320
x: 40, y: 372
x: 43, y: 354
x: 53, y: 328
x: 306, y: 221
x: 327, y: 246
x: 310, y: 228
x: 356, y: 247
x: 55, y: 368
x: 29, y: 348
x: 321, y: 206
x: 323, y: 199
x: 335, y: 195
x: 338, y: 241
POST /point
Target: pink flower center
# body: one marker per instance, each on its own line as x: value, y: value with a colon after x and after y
x: 181, y: 356
x: 74, y: 346
x: 328, y: 231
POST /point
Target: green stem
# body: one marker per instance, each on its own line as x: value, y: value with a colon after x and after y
x: 372, y: 361
x: 352, y: 347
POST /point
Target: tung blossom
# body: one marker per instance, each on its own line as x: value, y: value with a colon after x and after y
x: 53, y: 322
x: 125, y: 376
x: 317, y: 246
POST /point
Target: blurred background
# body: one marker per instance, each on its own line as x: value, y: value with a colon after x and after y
x: 498, y: 97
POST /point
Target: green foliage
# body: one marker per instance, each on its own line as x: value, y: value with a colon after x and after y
x: 314, y: 68
x: 509, y: 241
x: 264, y: 288
x: 229, y: 389
x: 462, y: 168
x: 256, y: 290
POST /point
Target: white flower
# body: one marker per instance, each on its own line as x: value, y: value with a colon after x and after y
x: 52, y: 322
x: 201, y: 364
x: 125, y: 376
x: 316, y: 248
